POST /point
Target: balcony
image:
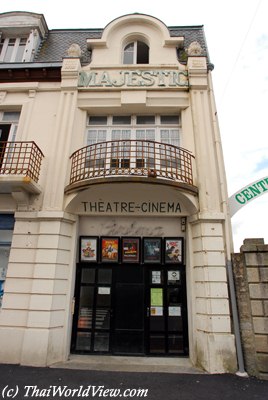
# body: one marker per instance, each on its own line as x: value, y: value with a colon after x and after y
x: 131, y: 160
x: 20, y: 164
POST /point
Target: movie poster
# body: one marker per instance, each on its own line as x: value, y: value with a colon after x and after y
x: 109, y: 249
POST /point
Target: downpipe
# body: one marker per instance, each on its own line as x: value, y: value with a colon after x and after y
x: 240, y: 359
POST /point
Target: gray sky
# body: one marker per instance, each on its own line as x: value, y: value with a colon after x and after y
x: 237, y: 38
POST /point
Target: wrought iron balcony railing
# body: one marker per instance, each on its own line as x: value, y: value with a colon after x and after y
x: 20, y: 158
x: 132, y: 158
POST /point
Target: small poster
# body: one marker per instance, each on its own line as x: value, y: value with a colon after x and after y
x: 156, y: 297
x: 130, y: 250
x: 109, y: 249
x: 104, y: 290
x: 152, y: 250
x: 88, y: 249
x: 174, y: 311
x: 156, y: 277
x: 173, y: 250
x: 173, y: 276
x: 156, y: 311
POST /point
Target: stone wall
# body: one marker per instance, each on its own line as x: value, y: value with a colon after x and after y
x: 250, y: 268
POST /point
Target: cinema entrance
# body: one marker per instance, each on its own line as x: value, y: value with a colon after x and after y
x: 134, y: 305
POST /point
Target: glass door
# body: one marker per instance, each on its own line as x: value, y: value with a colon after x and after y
x: 93, y: 309
x: 166, y: 311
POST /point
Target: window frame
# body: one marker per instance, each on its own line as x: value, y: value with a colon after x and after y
x: 136, y: 52
x: 4, y: 46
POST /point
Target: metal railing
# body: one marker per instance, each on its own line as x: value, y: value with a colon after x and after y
x: 20, y: 158
x: 132, y: 158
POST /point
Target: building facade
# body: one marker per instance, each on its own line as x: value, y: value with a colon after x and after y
x: 114, y: 228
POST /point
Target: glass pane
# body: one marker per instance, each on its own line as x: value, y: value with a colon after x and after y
x: 104, y: 275
x: 174, y: 296
x: 101, y: 341
x: 83, y: 341
x: 104, y: 297
x: 175, y: 323
x: 157, y: 344
x: 88, y: 275
x: 98, y: 120
x: 102, y: 319
x: 121, y: 120
x: 85, y: 307
x: 169, y: 119
x: 129, y: 54
x: 9, y: 50
x: 145, y: 119
x: 175, y: 344
x: 20, y: 50
x: 4, y: 256
x: 142, y: 53
x: 11, y: 116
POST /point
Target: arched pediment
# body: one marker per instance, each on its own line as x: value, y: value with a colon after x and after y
x: 131, y: 27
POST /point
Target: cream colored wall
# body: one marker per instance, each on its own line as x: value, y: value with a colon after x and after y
x: 36, y: 316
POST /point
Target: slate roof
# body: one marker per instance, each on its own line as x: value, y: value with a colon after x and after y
x: 55, y: 45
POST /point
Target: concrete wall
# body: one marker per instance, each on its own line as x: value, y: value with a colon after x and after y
x: 251, y: 281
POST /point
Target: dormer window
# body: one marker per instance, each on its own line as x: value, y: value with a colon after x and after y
x: 12, y: 49
x: 136, y: 53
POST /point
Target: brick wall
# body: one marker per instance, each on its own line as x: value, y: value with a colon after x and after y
x: 250, y: 268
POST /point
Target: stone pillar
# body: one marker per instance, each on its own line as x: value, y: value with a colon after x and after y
x: 36, y: 311
x: 251, y: 281
x: 213, y: 340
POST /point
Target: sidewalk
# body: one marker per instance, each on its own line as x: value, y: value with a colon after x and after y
x: 61, y: 383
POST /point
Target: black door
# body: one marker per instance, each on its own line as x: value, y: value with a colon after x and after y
x: 167, y: 328
x: 93, y: 309
x: 129, y: 311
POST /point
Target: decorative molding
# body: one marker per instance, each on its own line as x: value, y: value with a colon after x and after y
x: 195, y: 49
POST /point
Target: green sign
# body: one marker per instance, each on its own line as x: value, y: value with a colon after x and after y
x: 247, y: 194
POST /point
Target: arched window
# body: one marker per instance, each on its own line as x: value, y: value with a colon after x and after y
x: 136, y: 53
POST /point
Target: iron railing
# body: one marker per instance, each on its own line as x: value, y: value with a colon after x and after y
x: 132, y: 158
x: 20, y: 158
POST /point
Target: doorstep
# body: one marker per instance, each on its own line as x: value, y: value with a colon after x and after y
x: 129, y: 364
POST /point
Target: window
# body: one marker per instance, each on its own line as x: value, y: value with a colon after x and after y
x: 129, y: 141
x: 12, y: 49
x: 136, y: 53
x: 6, y: 231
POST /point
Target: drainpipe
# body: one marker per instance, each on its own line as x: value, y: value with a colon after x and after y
x: 240, y: 359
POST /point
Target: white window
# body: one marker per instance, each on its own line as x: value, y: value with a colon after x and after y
x: 136, y: 53
x: 12, y: 49
x: 129, y: 141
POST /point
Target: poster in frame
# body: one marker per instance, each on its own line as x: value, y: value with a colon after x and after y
x: 152, y: 250
x: 130, y: 249
x: 88, y: 249
x: 110, y: 249
x: 173, y: 251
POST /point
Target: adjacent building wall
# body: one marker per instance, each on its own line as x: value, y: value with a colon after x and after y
x: 251, y: 280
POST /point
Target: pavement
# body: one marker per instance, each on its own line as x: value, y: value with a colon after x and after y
x: 62, y: 382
